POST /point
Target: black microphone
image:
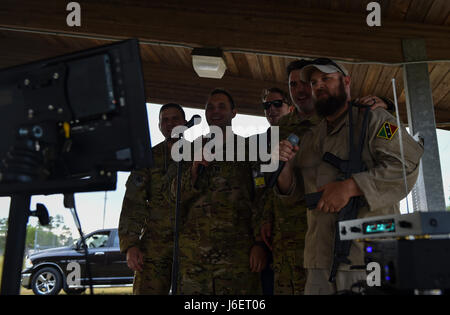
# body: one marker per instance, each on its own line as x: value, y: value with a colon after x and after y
x: 293, y: 139
x: 191, y: 122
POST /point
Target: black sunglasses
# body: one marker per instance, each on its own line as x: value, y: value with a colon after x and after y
x: 276, y: 103
x: 326, y: 61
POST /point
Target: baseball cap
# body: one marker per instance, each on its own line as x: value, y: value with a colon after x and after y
x: 322, y: 64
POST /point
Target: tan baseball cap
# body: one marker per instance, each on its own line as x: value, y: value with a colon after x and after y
x: 324, y: 65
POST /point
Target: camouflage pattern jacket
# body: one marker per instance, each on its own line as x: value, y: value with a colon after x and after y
x: 146, y: 220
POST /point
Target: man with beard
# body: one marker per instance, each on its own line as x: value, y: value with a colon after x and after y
x: 285, y: 224
x: 146, y: 220
x: 380, y: 188
x: 304, y: 113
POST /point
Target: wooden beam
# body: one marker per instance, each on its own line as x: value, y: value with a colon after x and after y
x: 167, y: 84
x: 282, y: 27
x: 163, y: 83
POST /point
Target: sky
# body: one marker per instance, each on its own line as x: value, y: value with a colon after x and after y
x: 91, y: 206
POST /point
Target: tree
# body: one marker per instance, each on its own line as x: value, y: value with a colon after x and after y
x: 53, y: 235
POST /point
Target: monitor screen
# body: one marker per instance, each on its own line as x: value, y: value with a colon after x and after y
x: 69, y: 123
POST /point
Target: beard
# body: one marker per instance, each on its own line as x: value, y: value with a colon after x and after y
x: 328, y: 106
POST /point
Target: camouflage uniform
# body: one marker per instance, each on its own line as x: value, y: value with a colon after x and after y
x: 217, y: 234
x: 146, y: 221
x: 288, y: 223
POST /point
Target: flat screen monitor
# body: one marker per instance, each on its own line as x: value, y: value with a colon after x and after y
x: 69, y: 123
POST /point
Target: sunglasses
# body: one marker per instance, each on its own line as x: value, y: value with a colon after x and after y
x: 276, y: 103
x: 326, y: 61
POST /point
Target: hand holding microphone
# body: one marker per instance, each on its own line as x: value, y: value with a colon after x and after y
x: 286, y: 150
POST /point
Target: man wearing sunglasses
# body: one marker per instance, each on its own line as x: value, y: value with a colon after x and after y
x: 276, y: 104
x: 286, y: 225
x: 379, y: 188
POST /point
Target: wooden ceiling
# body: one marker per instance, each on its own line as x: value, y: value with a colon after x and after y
x: 259, y: 38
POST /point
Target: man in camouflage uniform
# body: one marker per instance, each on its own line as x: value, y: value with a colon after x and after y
x: 217, y: 239
x: 276, y: 104
x: 146, y: 220
x: 285, y: 224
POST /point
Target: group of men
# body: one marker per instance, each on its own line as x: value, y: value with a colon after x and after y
x: 231, y: 222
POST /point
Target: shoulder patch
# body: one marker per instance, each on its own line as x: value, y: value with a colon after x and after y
x: 387, y: 131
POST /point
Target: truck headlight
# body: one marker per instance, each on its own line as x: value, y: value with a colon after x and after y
x: 28, y: 263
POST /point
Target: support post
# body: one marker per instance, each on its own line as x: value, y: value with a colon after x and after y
x: 19, y: 210
x: 429, y: 191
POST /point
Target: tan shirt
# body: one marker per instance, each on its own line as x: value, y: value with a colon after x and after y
x: 382, y: 185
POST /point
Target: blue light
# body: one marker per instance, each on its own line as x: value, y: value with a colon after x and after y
x: 369, y: 249
x: 388, y: 278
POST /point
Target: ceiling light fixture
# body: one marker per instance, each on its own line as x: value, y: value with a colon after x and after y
x: 208, y: 62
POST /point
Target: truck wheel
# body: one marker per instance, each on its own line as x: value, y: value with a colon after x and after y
x: 47, y: 281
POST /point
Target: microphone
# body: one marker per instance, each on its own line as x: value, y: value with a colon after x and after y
x: 192, y: 121
x: 293, y: 139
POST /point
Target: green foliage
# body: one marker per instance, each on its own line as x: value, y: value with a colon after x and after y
x: 54, y: 235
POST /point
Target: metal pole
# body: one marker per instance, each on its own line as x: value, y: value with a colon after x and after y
x: 15, y: 244
x: 421, y: 118
x: 104, y: 210
x: 175, y: 267
x: 35, y: 236
x: 401, y: 145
